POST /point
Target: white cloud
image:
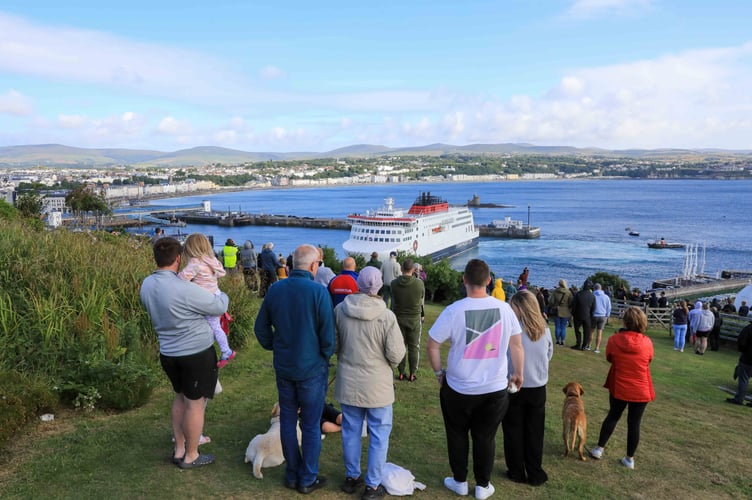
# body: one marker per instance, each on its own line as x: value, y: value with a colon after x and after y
x: 94, y: 57
x: 71, y: 121
x: 595, y: 8
x: 171, y: 126
x: 15, y: 103
x: 692, y: 99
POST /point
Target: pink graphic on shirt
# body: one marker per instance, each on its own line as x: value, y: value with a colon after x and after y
x: 484, y: 345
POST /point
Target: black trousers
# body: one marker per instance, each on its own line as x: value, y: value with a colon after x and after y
x: 480, y: 416
x: 587, y: 331
x: 634, y: 417
x: 523, y: 426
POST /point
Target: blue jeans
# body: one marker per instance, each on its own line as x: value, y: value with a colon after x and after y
x: 302, y: 464
x: 379, y: 427
x: 680, y: 333
x: 560, y: 328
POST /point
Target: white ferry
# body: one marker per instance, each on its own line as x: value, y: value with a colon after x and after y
x: 431, y: 227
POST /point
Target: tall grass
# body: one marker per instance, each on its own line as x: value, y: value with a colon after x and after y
x: 70, y: 310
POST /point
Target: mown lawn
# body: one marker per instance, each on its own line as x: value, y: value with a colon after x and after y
x: 694, y: 445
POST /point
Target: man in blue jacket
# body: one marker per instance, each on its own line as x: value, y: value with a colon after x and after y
x: 296, y: 322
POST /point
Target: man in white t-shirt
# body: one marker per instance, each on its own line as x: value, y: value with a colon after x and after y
x: 473, y: 393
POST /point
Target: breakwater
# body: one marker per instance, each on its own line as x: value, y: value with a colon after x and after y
x: 238, y: 220
x: 241, y: 219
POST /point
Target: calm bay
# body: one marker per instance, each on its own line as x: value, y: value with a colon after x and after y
x: 583, y: 223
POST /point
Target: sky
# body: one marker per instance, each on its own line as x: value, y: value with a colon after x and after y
x: 300, y: 76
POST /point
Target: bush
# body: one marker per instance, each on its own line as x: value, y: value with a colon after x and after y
x: 102, y: 383
x: 613, y: 281
x: 22, y: 397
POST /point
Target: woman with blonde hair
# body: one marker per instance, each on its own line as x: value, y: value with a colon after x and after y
x: 203, y: 268
x: 629, y: 382
x: 524, y: 423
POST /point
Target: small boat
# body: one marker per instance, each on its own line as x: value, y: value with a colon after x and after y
x: 662, y: 243
x: 634, y: 233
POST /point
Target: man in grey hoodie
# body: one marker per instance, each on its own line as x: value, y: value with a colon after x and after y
x: 601, y: 312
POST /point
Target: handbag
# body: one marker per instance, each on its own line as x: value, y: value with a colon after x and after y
x: 553, y: 309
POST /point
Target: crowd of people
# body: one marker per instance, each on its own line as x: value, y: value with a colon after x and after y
x: 495, y: 372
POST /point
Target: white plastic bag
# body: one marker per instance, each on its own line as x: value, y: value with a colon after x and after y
x: 399, y: 481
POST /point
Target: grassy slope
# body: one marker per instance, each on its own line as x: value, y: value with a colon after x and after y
x: 693, y: 444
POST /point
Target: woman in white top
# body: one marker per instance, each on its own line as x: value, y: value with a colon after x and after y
x: 524, y: 422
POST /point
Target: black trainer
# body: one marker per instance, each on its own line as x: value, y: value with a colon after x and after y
x: 351, y: 484
x: 319, y: 482
x: 379, y: 492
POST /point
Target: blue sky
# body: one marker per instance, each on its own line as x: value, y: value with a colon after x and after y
x: 299, y: 76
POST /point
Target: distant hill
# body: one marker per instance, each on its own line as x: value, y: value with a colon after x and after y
x: 57, y: 155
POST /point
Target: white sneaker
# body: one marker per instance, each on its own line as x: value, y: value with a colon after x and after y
x: 482, y: 493
x: 597, y: 351
x: 628, y: 462
x: 452, y: 485
x: 597, y: 453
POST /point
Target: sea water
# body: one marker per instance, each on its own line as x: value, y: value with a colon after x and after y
x: 583, y: 223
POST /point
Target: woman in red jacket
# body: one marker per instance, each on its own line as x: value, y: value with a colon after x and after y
x: 629, y: 383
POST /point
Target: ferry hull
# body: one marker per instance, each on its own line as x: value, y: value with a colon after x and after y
x: 447, y: 252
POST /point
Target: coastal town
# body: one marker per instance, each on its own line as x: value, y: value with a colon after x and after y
x: 125, y: 183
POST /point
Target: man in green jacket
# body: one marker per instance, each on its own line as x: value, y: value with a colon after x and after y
x: 408, y: 295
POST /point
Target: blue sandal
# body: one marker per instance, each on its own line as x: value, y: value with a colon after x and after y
x: 202, y: 460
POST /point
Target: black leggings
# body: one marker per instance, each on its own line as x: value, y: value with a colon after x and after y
x: 634, y: 416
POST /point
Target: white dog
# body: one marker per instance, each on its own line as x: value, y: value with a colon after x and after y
x: 265, y: 450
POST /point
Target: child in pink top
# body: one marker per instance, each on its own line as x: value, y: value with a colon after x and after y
x: 204, y: 269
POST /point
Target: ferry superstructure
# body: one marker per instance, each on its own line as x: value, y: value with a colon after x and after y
x: 431, y: 227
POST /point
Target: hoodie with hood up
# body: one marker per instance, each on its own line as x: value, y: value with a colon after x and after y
x: 369, y: 344
x: 498, y: 291
x: 629, y: 379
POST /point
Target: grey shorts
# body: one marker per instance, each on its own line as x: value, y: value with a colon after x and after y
x: 600, y: 322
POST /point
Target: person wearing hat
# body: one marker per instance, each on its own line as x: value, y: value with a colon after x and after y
x: 390, y: 271
x: 229, y: 255
x: 374, y: 262
x: 369, y: 344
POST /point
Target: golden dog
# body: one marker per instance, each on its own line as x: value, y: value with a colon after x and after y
x: 265, y: 450
x: 573, y: 419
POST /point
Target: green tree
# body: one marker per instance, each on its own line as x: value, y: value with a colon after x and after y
x: 83, y: 201
x: 614, y: 281
x: 442, y: 282
x: 30, y: 205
